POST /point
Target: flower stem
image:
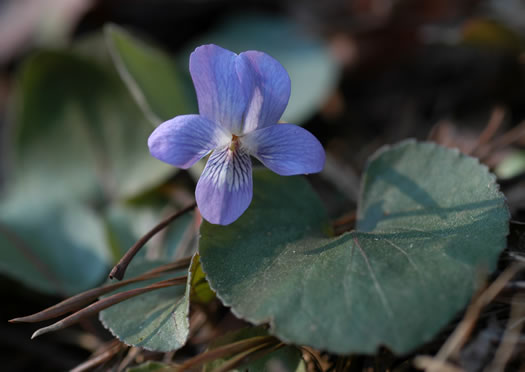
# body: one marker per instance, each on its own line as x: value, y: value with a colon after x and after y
x: 119, y: 269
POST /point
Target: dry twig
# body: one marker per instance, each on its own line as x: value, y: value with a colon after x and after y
x: 460, y: 335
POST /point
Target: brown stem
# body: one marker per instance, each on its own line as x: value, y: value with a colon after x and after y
x: 505, y: 139
x: 460, y: 335
x: 226, y: 350
x: 253, y: 354
x: 119, y: 269
x: 113, y: 348
x: 494, y: 123
x: 82, y: 299
x: 345, y: 223
x: 107, y: 302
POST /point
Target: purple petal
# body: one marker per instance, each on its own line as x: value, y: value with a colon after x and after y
x: 224, y: 190
x: 286, y: 149
x: 270, y: 92
x: 221, y: 96
x: 185, y: 139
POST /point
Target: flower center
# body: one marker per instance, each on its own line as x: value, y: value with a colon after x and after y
x: 234, y: 144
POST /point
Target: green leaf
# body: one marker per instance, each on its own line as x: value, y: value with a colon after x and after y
x: 200, y: 289
x: 512, y: 165
x: 48, y: 239
x: 488, y: 33
x: 156, y: 320
x: 76, y: 122
x: 313, y: 71
x: 56, y: 249
x: 78, y: 141
x: 49, y: 144
x: 286, y: 359
x: 429, y: 220
x: 155, y: 80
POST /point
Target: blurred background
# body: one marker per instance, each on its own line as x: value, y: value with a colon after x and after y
x: 78, y: 185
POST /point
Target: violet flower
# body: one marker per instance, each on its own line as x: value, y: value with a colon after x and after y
x: 241, y: 98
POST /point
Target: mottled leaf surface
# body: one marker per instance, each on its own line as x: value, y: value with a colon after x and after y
x: 429, y: 220
x: 157, y: 320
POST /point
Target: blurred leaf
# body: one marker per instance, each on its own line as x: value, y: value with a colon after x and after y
x: 53, y: 248
x: 313, y: 71
x: 286, y: 359
x: 56, y: 100
x: 429, y: 219
x: 200, y: 289
x: 488, y: 33
x: 50, y: 241
x: 75, y: 121
x: 153, y: 77
x: 127, y: 223
x: 507, y: 12
x: 157, y: 320
x: 180, y: 235
x: 78, y: 142
x: 512, y: 165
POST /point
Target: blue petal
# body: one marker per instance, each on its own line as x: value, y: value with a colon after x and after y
x: 269, y: 92
x: 224, y: 190
x: 185, y: 139
x: 221, y: 96
x: 286, y: 149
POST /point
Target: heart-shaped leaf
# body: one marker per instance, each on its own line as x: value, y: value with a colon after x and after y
x: 429, y: 220
x: 157, y: 320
